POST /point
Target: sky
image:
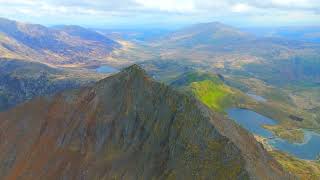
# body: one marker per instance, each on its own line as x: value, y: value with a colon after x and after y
x: 160, y: 13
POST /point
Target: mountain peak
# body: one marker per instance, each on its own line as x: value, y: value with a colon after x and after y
x: 135, y: 70
x: 145, y: 129
x: 133, y: 74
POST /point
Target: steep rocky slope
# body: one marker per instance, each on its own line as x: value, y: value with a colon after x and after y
x: 127, y: 126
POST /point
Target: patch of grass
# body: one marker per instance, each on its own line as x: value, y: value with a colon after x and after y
x: 215, y: 96
x: 208, y: 88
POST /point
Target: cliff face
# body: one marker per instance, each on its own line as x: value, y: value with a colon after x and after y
x: 127, y: 127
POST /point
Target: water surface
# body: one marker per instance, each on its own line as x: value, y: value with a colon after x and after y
x: 106, y: 69
x: 253, y: 122
x: 309, y: 149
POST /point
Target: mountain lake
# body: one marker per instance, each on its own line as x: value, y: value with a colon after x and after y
x: 253, y: 122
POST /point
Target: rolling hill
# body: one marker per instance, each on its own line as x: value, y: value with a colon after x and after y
x: 127, y: 126
x: 214, y: 33
x: 86, y: 34
x: 57, y: 46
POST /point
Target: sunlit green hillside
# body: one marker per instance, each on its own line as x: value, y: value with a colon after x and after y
x: 211, y: 90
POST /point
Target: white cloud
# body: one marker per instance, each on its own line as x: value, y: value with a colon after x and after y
x: 99, y: 11
x: 288, y: 3
x: 240, y: 8
x: 168, y: 5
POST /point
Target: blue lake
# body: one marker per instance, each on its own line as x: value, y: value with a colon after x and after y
x: 106, y: 69
x: 253, y: 122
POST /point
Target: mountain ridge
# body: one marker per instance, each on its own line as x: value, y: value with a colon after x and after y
x: 73, y: 45
x: 206, y: 33
x: 130, y: 126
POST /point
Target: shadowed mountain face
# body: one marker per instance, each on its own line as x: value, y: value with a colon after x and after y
x: 52, y: 45
x: 23, y: 80
x: 86, y: 34
x: 130, y: 127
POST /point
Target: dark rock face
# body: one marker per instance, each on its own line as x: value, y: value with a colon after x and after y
x: 16, y: 91
x: 127, y: 127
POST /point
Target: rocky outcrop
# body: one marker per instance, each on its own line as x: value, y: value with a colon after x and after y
x: 127, y: 126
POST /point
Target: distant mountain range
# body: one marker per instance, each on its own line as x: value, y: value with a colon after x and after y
x: 59, y: 45
x: 219, y: 37
x: 127, y: 126
x: 206, y: 34
x: 303, y: 33
x: 36, y: 60
x: 225, y: 48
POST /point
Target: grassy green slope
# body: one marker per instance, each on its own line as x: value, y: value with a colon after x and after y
x: 211, y: 90
x: 215, y: 96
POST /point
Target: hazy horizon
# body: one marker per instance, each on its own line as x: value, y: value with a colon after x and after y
x: 166, y: 14
x: 165, y: 27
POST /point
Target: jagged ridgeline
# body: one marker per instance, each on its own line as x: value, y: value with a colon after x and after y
x: 127, y: 126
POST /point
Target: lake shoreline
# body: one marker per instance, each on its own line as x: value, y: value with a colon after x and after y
x: 254, y: 122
